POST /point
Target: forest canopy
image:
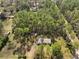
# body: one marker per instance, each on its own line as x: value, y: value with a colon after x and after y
x: 24, y: 22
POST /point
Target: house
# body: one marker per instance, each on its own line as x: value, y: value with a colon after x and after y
x: 5, y: 15
x: 43, y: 41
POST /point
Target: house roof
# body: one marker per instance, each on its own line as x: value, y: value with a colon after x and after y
x: 47, y: 41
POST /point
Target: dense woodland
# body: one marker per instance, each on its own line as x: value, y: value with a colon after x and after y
x: 24, y: 22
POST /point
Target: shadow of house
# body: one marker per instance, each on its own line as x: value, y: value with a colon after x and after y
x: 3, y: 16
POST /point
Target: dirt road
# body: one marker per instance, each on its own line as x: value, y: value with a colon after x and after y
x: 32, y: 52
